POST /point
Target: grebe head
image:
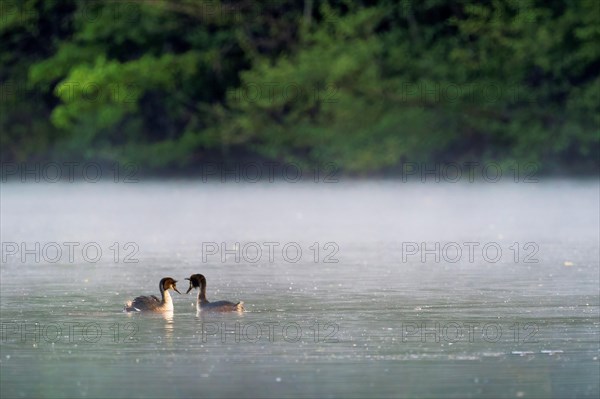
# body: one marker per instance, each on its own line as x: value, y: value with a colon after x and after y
x: 167, y: 283
x: 196, y: 281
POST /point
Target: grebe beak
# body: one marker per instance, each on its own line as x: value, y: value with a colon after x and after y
x: 175, y: 288
x: 191, y: 286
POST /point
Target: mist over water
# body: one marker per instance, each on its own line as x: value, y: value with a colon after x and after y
x: 352, y: 289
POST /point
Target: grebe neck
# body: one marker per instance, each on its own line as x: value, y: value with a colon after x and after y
x: 166, y: 297
x: 202, y: 294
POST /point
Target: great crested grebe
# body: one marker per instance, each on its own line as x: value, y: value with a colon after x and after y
x: 152, y: 303
x: 199, y: 281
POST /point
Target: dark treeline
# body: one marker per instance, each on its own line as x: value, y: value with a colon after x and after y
x: 170, y: 85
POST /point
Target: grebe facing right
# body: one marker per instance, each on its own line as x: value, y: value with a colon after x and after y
x: 152, y: 303
x: 199, y: 281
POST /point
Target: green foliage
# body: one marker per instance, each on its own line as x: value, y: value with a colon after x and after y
x: 169, y: 84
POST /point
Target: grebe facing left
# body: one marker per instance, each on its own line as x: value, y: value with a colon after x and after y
x: 202, y: 304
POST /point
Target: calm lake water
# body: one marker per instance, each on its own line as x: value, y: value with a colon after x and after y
x: 352, y: 289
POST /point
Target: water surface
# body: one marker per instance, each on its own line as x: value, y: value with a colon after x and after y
x: 382, y: 321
